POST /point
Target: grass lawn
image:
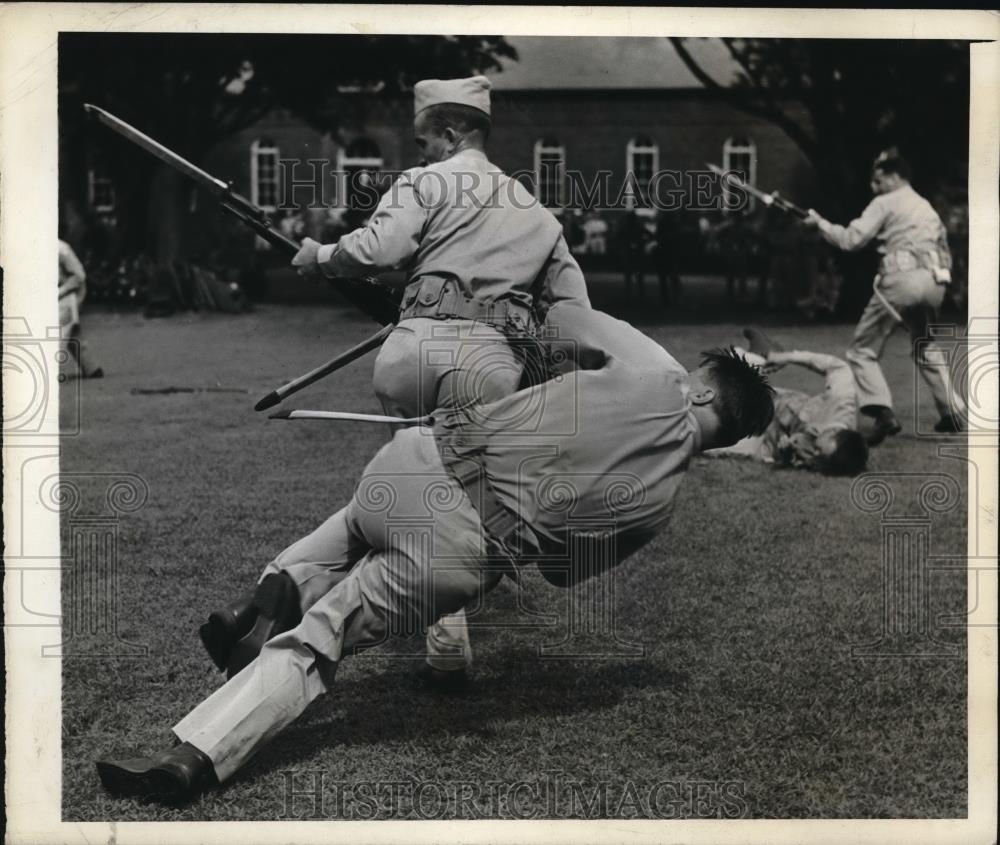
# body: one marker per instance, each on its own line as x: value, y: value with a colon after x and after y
x: 745, y: 610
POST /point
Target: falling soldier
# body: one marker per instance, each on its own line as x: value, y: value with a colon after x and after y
x: 622, y: 408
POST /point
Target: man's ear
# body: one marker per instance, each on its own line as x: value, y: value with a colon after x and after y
x: 702, y: 394
x: 451, y: 136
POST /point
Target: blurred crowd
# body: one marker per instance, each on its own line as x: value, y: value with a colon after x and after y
x: 766, y: 257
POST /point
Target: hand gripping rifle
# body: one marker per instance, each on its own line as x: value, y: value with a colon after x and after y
x: 771, y: 200
x: 376, y: 302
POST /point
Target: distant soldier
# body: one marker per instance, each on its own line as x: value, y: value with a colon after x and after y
x: 72, y: 290
x: 483, y: 260
x: 595, y: 230
x: 665, y: 256
x: 908, y: 289
x: 632, y: 240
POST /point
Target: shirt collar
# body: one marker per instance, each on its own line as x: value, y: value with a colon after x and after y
x: 469, y: 152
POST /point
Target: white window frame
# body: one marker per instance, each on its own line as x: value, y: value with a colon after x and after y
x: 96, y: 178
x: 632, y: 149
x: 257, y: 152
x: 344, y: 162
x: 543, y: 150
x: 730, y: 149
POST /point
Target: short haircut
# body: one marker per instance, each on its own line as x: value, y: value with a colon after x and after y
x: 850, y: 455
x: 462, y: 119
x: 891, y: 161
x: 744, y: 400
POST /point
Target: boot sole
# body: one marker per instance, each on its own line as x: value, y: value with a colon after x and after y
x: 246, y: 650
x: 760, y: 343
x: 277, y: 602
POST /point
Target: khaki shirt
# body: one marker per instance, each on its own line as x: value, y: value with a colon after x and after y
x: 600, y: 450
x: 899, y: 220
x: 465, y: 219
x: 799, y: 418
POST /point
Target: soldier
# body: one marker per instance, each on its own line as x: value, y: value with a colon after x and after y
x: 355, y: 580
x: 482, y: 258
x: 72, y: 290
x: 909, y: 289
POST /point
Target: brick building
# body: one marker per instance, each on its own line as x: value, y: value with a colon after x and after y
x: 562, y: 143
x: 617, y: 113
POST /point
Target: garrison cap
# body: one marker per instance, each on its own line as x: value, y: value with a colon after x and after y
x: 885, y: 155
x: 473, y: 92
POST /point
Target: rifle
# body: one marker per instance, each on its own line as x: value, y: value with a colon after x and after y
x: 771, y: 200
x: 365, y: 294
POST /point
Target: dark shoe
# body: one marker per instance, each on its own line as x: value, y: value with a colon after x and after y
x: 884, y: 423
x: 225, y: 627
x: 447, y: 681
x: 174, y: 775
x: 277, y: 602
x: 760, y: 343
x: 949, y: 424
x: 98, y: 373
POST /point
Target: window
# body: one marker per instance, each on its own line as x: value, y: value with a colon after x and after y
x: 264, y: 174
x: 550, y: 172
x: 357, y: 167
x: 740, y: 155
x: 100, y: 189
x: 642, y: 160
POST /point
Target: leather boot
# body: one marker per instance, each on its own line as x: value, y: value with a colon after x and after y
x: 171, y: 776
x: 760, y: 343
x: 276, y: 600
x: 949, y: 424
x: 225, y: 627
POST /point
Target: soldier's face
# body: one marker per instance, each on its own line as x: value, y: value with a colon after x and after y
x: 433, y: 147
x: 882, y: 182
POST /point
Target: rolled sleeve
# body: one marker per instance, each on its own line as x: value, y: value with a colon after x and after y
x: 860, y: 231
x: 564, y: 281
x: 387, y: 242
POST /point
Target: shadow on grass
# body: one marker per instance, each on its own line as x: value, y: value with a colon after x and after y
x: 393, y: 707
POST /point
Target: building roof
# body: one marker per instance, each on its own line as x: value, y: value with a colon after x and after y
x: 567, y: 62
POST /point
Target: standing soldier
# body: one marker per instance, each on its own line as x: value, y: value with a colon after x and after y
x: 909, y: 289
x: 72, y: 289
x: 483, y: 260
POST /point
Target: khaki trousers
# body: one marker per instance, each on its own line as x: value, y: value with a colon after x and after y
x: 916, y: 297
x: 407, y: 549
x: 427, y: 364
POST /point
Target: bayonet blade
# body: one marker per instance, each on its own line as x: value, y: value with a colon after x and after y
x: 216, y: 186
x: 734, y: 179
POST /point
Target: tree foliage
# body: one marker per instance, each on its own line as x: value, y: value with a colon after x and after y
x: 191, y: 91
x: 860, y: 96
